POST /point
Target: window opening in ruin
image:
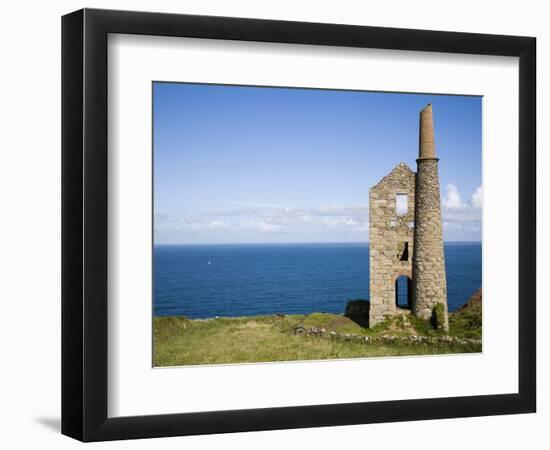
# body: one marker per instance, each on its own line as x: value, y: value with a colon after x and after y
x: 403, y: 292
x: 403, y: 251
x: 401, y: 205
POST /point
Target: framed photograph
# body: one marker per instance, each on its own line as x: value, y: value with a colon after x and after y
x: 272, y: 224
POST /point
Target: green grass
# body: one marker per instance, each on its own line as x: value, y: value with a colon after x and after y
x: 466, y: 323
x: 180, y: 341
x: 438, y: 316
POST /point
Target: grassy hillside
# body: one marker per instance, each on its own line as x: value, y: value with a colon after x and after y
x: 180, y: 341
x: 466, y: 322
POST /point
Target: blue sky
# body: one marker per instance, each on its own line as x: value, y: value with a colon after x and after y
x: 236, y: 164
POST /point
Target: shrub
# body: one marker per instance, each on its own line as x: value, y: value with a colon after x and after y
x: 438, y: 316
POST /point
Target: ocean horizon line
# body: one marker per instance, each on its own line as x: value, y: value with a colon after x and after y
x: 182, y: 244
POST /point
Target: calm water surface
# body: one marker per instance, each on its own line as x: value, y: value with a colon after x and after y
x: 201, y: 281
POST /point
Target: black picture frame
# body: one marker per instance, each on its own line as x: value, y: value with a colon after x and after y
x: 84, y: 224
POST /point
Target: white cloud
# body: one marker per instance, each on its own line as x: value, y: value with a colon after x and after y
x: 452, y: 198
x: 335, y: 210
x: 477, y: 198
x: 267, y: 222
x: 459, y: 217
x: 267, y: 227
x: 258, y: 205
x: 255, y: 220
x: 217, y: 224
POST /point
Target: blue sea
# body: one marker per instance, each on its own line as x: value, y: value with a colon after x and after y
x: 201, y: 281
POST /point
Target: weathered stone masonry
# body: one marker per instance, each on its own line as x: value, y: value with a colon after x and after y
x: 410, y: 243
x: 391, y: 240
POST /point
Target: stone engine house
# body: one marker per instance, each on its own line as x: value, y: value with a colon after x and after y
x: 405, y: 235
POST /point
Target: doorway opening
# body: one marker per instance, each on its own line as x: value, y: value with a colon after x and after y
x: 403, y: 292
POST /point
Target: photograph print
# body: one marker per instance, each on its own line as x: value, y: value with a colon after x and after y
x: 296, y: 224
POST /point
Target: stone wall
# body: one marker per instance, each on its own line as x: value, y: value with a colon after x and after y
x: 390, y: 239
x: 300, y: 330
x: 358, y: 311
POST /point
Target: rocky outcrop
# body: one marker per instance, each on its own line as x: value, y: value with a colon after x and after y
x: 474, y: 300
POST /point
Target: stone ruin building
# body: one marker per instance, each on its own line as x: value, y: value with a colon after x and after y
x: 406, y: 236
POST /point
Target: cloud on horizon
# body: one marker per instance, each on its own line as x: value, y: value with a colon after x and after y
x: 461, y: 217
x: 266, y: 222
x: 247, y: 219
